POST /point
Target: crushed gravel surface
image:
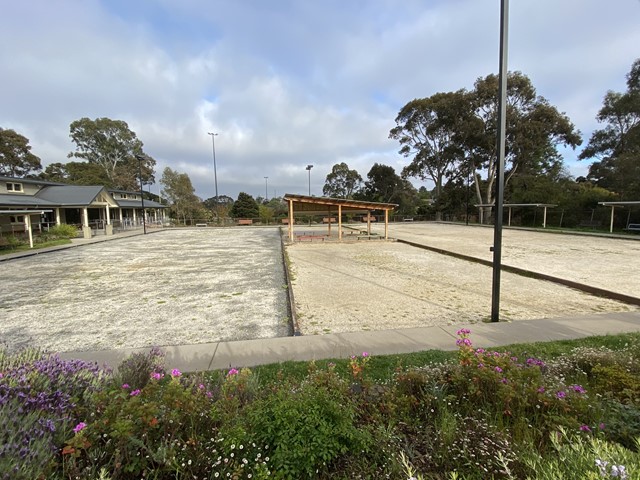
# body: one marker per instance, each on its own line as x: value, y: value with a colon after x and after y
x: 377, y: 285
x: 168, y: 288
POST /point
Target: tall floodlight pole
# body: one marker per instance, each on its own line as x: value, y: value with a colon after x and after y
x: 266, y: 188
x: 502, y: 125
x: 309, y: 167
x: 215, y: 172
x: 144, y: 223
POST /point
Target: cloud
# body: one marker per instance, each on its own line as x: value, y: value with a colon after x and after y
x: 290, y: 83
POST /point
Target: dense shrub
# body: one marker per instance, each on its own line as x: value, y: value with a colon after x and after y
x: 61, y: 231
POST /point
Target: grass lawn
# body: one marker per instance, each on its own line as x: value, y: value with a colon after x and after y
x: 25, y: 247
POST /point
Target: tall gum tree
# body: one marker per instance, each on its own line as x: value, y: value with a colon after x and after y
x: 114, y: 147
x: 535, y: 128
x: 616, y: 147
x: 433, y: 132
x: 16, y: 159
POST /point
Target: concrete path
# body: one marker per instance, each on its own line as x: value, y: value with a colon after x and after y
x: 249, y: 353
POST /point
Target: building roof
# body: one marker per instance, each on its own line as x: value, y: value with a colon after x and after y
x: 138, y: 204
x: 620, y: 204
x: 33, y: 181
x: 67, y: 195
x: 11, y: 200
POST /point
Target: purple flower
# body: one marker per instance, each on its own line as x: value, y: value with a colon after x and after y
x: 157, y: 376
x: 541, y: 390
x: 504, y: 380
x: 601, y: 426
x: 231, y: 372
x: 561, y: 394
x: 135, y: 393
x: 578, y: 389
x: 498, y: 369
x: 480, y: 350
x: 79, y: 427
x: 481, y: 365
x: 585, y: 428
x: 365, y: 354
x: 125, y: 386
x: 463, y: 331
x: 201, y: 387
x: 175, y: 373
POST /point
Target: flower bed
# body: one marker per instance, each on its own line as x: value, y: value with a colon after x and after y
x: 487, y: 414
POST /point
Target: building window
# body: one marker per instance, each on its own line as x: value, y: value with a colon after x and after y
x: 123, y: 195
x: 16, y: 218
x: 14, y: 187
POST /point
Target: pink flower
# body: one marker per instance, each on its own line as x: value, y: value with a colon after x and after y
x: 463, y: 331
x: 365, y: 354
x: 201, y: 387
x: 561, y: 394
x: 125, y: 386
x: 578, y: 389
x: 175, y: 373
x: 79, y: 427
x: 157, y: 376
x: 585, y: 428
x: 504, y: 380
x: 231, y: 372
x: 541, y: 390
x: 135, y: 393
x: 498, y: 369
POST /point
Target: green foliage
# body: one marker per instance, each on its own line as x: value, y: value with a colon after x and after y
x: 60, y: 231
x: 341, y: 182
x: 77, y: 173
x: 136, y: 370
x: 114, y: 147
x: 384, y: 185
x: 16, y: 159
x: 581, y: 457
x: 178, y: 190
x: 617, y: 145
x: 309, y: 427
x: 245, y: 207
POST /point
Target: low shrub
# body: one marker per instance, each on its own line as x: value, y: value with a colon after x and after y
x: 61, y: 231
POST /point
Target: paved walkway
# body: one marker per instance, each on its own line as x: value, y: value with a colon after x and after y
x: 249, y: 353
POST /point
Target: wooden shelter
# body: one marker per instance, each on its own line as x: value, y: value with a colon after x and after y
x: 306, y: 205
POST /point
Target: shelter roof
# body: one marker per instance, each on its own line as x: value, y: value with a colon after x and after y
x: 25, y: 212
x: 518, y: 205
x: 620, y: 204
x: 307, y: 204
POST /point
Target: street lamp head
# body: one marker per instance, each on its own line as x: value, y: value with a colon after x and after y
x: 309, y: 167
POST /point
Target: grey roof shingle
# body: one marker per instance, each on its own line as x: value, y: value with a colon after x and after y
x: 11, y: 200
x: 69, y: 194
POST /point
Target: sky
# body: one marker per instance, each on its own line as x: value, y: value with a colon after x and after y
x: 290, y: 83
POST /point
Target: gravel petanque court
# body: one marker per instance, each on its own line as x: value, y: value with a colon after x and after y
x: 174, y: 287
x: 377, y: 285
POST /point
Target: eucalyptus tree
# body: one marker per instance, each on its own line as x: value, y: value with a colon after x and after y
x: 535, y: 129
x: 342, y: 182
x: 115, y: 148
x: 617, y: 146
x: 16, y: 159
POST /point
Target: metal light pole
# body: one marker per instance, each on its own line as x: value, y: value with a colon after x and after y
x: 144, y: 223
x: 502, y: 125
x: 266, y: 189
x: 309, y: 167
x: 215, y: 173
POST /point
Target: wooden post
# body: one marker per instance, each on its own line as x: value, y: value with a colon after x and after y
x: 368, y: 222
x: 291, y: 220
x: 611, y: 224
x: 329, y: 213
x: 339, y: 223
x: 27, y: 224
x: 386, y: 224
x: 509, y: 223
x: 544, y: 218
